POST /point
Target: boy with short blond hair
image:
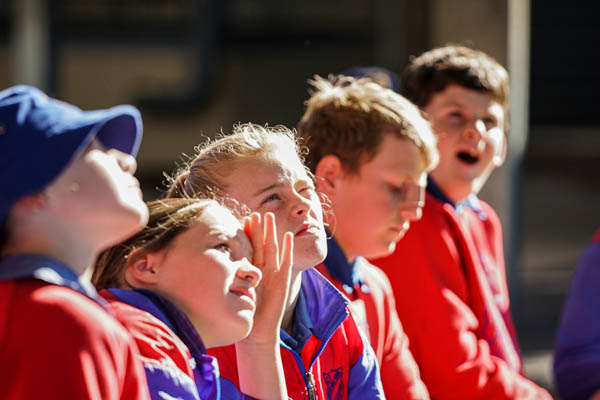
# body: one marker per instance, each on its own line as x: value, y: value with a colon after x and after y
x: 370, y: 150
x: 448, y: 273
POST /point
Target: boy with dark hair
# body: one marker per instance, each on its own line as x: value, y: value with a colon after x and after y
x: 370, y: 150
x: 448, y: 273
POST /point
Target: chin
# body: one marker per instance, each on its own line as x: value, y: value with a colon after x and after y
x: 234, y: 333
x: 383, y: 250
x: 310, y: 256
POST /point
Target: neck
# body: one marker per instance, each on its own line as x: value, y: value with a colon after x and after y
x: 288, y: 316
x: 330, y: 224
x: 73, y: 253
x: 456, y: 193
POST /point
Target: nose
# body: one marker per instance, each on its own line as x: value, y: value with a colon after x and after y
x: 414, y: 212
x: 250, y: 273
x: 475, y: 131
x: 412, y: 208
x: 301, y: 205
x: 126, y: 161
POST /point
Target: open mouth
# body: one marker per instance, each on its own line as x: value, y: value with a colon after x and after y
x: 468, y: 157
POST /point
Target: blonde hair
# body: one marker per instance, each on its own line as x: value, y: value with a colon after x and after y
x: 349, y: 118
x: 203, y: 175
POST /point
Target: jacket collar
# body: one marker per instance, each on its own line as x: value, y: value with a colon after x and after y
x: 471, y: 201
x: 49, y: 270
x: 348, y: 273
x: 325, y: 305
x: 206, y: 368
x: 167, y: 312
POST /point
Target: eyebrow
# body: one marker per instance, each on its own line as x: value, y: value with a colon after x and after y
x: 266, y: 189
x: 280, y: 184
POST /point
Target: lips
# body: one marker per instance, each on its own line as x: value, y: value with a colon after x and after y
x: 307, y: 228
x: 244, y: 292
x: 135, y: 185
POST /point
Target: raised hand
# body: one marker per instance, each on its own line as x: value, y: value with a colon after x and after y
x: 258, y: 355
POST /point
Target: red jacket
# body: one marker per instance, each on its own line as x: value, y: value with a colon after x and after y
x: 458, y: 333
x: 373, y: 307
x: 171, y: 350
x: 57, y: 343
x: 335, y: 362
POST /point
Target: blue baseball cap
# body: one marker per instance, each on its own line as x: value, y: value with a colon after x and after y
x: 40, y: 136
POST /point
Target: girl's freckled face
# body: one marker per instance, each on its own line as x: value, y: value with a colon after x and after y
x: 278, y: 182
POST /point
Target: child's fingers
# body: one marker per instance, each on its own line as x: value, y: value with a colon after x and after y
x: 271, y: 245
x: 287, y: 252
x: 256, y: 237
x: 246, y: 226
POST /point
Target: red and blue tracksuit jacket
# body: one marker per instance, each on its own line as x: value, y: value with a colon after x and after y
x: 57, y: 341
x: 448, y: 277
x: 326, y: 357
x: 577, y: 350
x: 174, y: 357
x: 373, y: 308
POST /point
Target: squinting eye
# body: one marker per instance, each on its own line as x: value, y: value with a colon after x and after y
x: 224, y: 247
x: 455, y: 117
x: 399, y: 191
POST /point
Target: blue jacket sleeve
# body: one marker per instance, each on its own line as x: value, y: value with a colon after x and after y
x: 577, y: 355
x: 364, y: 380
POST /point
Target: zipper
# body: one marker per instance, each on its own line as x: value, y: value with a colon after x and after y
x: 311, y: 386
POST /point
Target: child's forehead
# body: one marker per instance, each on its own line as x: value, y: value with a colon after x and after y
x: 461, y: 96
x: 216, y: 220
x: 281, y: 160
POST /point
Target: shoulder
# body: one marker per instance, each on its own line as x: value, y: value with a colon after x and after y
x: 72, y: 324
x: 486, y: 215
x: 53, y: 307
x: 138, y: 322
x: 374, y: 276
x: 155, y: 339
x: 438, y: 217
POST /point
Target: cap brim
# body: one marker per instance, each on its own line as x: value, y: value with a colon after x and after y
x: 118, y: 128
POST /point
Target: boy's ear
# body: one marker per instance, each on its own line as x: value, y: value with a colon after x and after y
x: 328, y: 172
x: 144, y: 270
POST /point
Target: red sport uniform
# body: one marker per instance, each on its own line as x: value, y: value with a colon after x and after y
x: 47, y: 315
x: 373, y: 307
x: 451, y: 297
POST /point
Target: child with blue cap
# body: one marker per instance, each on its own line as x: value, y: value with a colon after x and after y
x: 68, y: 193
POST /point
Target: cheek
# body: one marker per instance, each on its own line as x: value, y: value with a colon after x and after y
x: 282, y: 223
x: 317, y: 208
x: 445, y: 145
